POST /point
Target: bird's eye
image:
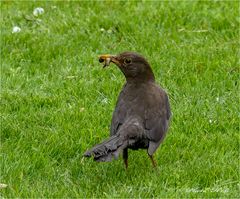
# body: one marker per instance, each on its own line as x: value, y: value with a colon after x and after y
x: 127, y: 60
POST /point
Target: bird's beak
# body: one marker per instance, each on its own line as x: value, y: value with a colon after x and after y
x: 107, y: 59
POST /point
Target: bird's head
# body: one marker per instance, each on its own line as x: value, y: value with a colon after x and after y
x: 133, y: 65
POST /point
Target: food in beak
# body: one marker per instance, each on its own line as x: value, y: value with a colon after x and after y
x: 105, y: 59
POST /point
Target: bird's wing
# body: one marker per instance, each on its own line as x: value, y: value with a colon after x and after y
x: 157, y: 115
x: 119, y: 114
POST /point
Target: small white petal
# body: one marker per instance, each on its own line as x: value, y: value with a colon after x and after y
x: 210, y: 121
x: 109, y: 31
x: 3, y: 185
x: 38, y: 11
x: 217, y: 99
x: 102, y: 29
x: 71, y: 77
x: 105, y: 101
x: 16, y: 29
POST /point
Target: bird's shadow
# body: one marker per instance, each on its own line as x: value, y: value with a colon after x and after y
x: 115, y: 171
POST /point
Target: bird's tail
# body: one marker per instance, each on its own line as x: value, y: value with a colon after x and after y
x: 109, y: 148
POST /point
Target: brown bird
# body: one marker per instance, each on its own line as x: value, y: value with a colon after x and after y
x: 141, y: 117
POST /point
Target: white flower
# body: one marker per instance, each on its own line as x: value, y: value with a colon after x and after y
x: 38, y: 11
x: 102, y: 29
x: 82, y: 109
x: 3, y: 185
x: 105, y: 101
x: 16, y: 29
x: 217, y: 99
x: 109, y: 31
x: 210, y: 121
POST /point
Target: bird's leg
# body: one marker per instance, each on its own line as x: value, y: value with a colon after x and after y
x: 153, y: 161
x: 125, y: 157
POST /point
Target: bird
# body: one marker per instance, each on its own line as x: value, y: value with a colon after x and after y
x: 142, y: 114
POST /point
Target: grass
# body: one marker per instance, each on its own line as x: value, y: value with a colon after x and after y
x: 56, y: 101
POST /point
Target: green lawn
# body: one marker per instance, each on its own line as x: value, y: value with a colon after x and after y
x: 57, y: 101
